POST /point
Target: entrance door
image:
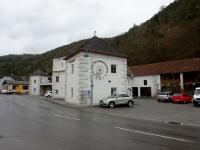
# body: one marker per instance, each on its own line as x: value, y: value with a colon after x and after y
x: 135, y: 91
x: 145, y: 91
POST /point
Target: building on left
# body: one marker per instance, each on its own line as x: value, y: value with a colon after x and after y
x: 13, y: 84
x: 40, y: 83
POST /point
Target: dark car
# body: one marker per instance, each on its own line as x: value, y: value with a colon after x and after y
x: 164, y: 97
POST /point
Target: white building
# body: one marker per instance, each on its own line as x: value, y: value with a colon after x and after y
x: 173, y: 76
x: 147, y: 85
x: 40, y: 83
x: 72, y: 74
x: 58, y: 78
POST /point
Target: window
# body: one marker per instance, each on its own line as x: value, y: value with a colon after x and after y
x: 56, y: 91
x: 72, y: 92
x: 113, y: 68
x: 34, y: 89
x: 57, y: 78
x: 34, y: 81
x: 145, y: 82
x: 72, y: 68
x: 25, y: 87
x: 113, y: 91
x: 124, y: 95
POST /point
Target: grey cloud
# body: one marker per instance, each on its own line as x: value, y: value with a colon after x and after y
x: 35, y: 26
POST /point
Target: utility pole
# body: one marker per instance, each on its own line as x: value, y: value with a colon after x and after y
x: 173, y: 83
x: 91, y: 81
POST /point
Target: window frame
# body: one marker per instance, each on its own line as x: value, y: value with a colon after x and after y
x: 57, y: 79
x: 113, y: 70
x: 72, y: 92
x: 72, y: 68
x: 112, y: 91
x: 56, y: 91
x: 145, y: 82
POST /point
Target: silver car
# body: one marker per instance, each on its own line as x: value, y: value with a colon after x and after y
x: 118, y: 99
x: 164, y: 97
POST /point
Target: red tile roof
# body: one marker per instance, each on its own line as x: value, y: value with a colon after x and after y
x: 187, y: 65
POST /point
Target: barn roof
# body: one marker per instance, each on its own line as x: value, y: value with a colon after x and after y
x: 16, y: 82
x: 186, y: 65
x: 40, y: 72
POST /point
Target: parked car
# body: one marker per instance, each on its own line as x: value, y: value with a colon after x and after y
x: 6, y: 92
x: 181, y: 97
x: 117, y: 99
x: 48, y: 94
x: 196, y: 97
x: 164, y: 97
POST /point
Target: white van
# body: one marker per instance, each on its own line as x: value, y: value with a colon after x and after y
x: 196, y: 97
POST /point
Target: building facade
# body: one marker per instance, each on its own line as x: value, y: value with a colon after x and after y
x: 58, y: 78
x: 173, y: 76
x: 93, y: 64
x: 40, y: 83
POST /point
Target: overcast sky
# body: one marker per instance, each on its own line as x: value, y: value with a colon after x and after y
x: 36, y: 26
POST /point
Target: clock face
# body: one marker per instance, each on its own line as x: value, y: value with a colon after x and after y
x: 100, y: 70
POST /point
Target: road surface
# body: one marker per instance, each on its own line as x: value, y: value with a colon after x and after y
x: 30, y: 123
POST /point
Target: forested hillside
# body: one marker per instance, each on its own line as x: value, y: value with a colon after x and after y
x: 173, y: 33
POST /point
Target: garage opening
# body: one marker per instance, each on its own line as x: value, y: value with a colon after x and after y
x: 135, y: 91
x: 145, y: 91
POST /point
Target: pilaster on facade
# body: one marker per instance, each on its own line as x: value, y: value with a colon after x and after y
x: 181, y: 82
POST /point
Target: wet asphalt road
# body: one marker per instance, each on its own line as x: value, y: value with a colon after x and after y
x: 29, y: 123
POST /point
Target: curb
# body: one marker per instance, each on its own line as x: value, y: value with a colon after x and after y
x: 64, y: 104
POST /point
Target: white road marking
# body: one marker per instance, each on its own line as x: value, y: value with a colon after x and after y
x: 152, y: 134
x: 67, y: 117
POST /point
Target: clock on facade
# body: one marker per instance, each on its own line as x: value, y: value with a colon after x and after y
x: 100, y: 70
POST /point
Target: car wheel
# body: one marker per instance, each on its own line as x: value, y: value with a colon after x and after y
x: 196, y: 105
x: 130, y: 103
x: 111, y: 104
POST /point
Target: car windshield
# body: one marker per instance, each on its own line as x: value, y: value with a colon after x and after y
x: 163, y: 93
x: 197, y: 92
x: 111, y: 96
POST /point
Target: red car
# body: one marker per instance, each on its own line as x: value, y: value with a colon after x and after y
x: 181, y: 97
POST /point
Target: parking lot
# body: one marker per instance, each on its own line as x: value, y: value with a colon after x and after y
x: 150, y: 109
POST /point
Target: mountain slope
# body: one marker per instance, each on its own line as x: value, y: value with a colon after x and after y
x: 173, y: 33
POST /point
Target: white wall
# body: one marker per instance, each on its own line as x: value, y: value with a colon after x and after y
x: 80, y: 80
x: 37, y: 86
x: 34, y: 85
x: 59, y: 68
x: 59, y: 86
x: 44, y: 80
x: 153, y: 81
x: 72, y: 80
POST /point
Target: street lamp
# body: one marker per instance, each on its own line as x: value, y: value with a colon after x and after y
x: 91, y: 81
